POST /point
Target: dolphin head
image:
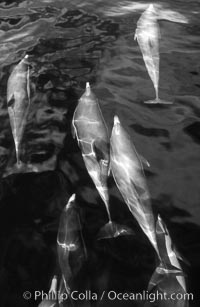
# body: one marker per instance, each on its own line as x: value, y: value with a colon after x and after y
x: 88, y: 96
x: 70, y: 201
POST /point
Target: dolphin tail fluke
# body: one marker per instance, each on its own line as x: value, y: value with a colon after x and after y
x: 158, y: 101
x: 113, y: 230
x: 25, y: 168
x: 156, y: 278
x: 20, y: 167
x: 168, y: 283
x: 164, y: 276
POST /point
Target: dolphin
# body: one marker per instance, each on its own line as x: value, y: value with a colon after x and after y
x: 90, y: 129
x: 168, y: 253
x: 147, y: 34
x: 18, y: 101
x: 127, y: 170
x: 51, y: 301
x: 70, y: 243
x: 168, y: 277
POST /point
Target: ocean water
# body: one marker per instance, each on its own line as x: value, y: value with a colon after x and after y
x: 69, y: 44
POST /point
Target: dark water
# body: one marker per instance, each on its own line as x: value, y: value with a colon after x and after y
x: 69, y: 45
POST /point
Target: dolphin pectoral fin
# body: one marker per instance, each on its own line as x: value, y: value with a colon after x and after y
x: 144, y: 161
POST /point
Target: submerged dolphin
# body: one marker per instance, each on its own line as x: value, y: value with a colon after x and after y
x: 128, y: 174
x: 18, y: 100
x: 169, y: 255
x: 91, y: 132
x: 147, y: 35
x: 70, y: 242
x: 168, y: 277
x: 51, y: 300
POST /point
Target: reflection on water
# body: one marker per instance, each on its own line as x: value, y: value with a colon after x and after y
x: 69, y: 45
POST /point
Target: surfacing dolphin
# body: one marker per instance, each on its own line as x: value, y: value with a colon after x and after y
x: 91, y: 132
x: 70, y: 243
x: 128, y: 174
x: 18, y: 100
x: 147, y: 35
x: 169, y: 255
x: 168, y: 277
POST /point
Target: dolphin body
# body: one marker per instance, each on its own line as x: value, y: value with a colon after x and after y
x: 168, y: 277
x: 128, y: 174
x: 18, y: 101
x: 91, y: 132
x: 147, y: 34
x: 70, y: 243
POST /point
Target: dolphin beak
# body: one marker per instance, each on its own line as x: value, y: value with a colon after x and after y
x: 116, y: 124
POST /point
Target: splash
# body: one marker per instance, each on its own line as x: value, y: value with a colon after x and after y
x: 128, y: 7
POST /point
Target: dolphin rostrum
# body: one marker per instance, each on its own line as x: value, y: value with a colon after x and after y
x: 91, y: 132
x: 147, y: 34
x: 18, y: 100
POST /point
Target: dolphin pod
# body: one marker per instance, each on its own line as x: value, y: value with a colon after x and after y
x: 147, y: 34
x: 100, y: 155
x: 18, y: 100
x: 90, y: 129
x: 70, y: 243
